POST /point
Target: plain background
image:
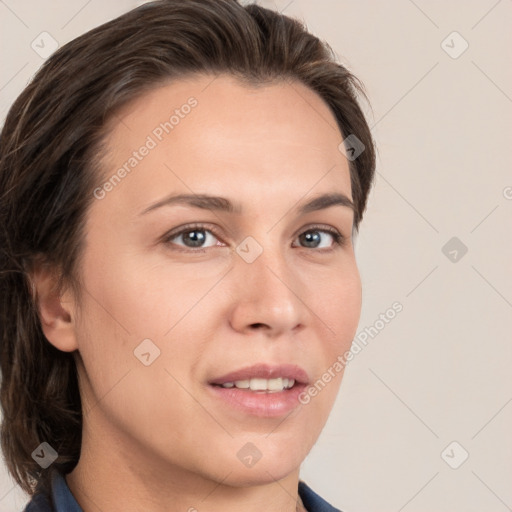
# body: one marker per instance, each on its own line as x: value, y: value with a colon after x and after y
x: 439, y: 372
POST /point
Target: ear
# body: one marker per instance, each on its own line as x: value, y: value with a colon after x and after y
x: 55, y: 309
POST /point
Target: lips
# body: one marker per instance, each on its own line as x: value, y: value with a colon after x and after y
x: 264, y: 371
x: 262, y: 390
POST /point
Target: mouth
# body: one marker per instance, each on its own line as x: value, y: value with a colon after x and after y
x: 261, y: 390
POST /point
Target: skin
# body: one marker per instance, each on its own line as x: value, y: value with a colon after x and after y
x: 153, y: 438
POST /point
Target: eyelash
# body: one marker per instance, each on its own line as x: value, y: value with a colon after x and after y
x: 339, y: 239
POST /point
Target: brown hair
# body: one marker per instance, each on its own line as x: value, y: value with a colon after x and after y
x: 49, y: 166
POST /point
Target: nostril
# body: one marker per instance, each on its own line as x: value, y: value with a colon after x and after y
x: 254, y: 326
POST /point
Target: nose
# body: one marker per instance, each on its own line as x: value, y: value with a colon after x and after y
x: 268, y: 296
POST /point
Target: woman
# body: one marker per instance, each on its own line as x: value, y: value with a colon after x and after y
x: 180, y: 188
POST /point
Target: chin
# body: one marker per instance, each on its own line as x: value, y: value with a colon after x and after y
x: 259, y: 462
x: 260, y: 474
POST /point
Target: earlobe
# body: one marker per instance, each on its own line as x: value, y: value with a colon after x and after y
x: 55, y: 309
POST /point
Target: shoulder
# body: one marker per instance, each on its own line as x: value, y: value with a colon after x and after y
x: 312, y: 501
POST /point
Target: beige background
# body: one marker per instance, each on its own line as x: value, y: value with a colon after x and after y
x: 440, y: 370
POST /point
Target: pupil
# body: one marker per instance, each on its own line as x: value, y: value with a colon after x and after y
x: 196, y: 237
x: 311, y: 238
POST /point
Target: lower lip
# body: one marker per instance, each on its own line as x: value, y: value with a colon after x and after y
x: 259, y: 403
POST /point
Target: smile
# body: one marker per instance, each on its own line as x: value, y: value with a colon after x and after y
x: 263, y: 390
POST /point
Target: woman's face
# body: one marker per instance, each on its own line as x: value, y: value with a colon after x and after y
x: 186, y: 296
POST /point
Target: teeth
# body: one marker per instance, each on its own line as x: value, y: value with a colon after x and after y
x: 275, y: 384
x: 258, y: 384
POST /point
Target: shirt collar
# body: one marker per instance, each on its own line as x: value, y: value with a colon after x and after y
x: 63, y: 499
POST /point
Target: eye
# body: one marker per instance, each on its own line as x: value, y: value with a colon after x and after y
x: 192, y: 237
x: 313, y: 239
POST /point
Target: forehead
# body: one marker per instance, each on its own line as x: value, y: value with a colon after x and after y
x: 207, y: 134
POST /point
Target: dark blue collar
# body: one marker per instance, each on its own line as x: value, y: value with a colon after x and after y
x: 59, y: 500
x: 62, y: 500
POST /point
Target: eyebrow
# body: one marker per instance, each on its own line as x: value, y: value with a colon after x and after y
x: 222, y: 204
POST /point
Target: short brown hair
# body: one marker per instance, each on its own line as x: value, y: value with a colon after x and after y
x: 49, y: 166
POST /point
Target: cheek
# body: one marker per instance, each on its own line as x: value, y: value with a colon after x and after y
x: 127, y: 304
x: 131, y: 299
x: 345, y: 304
x: 146, y: 293
x: 338, y: 307
x: 336, y: 302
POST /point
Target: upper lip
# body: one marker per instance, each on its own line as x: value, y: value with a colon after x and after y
x: 265, y: 371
